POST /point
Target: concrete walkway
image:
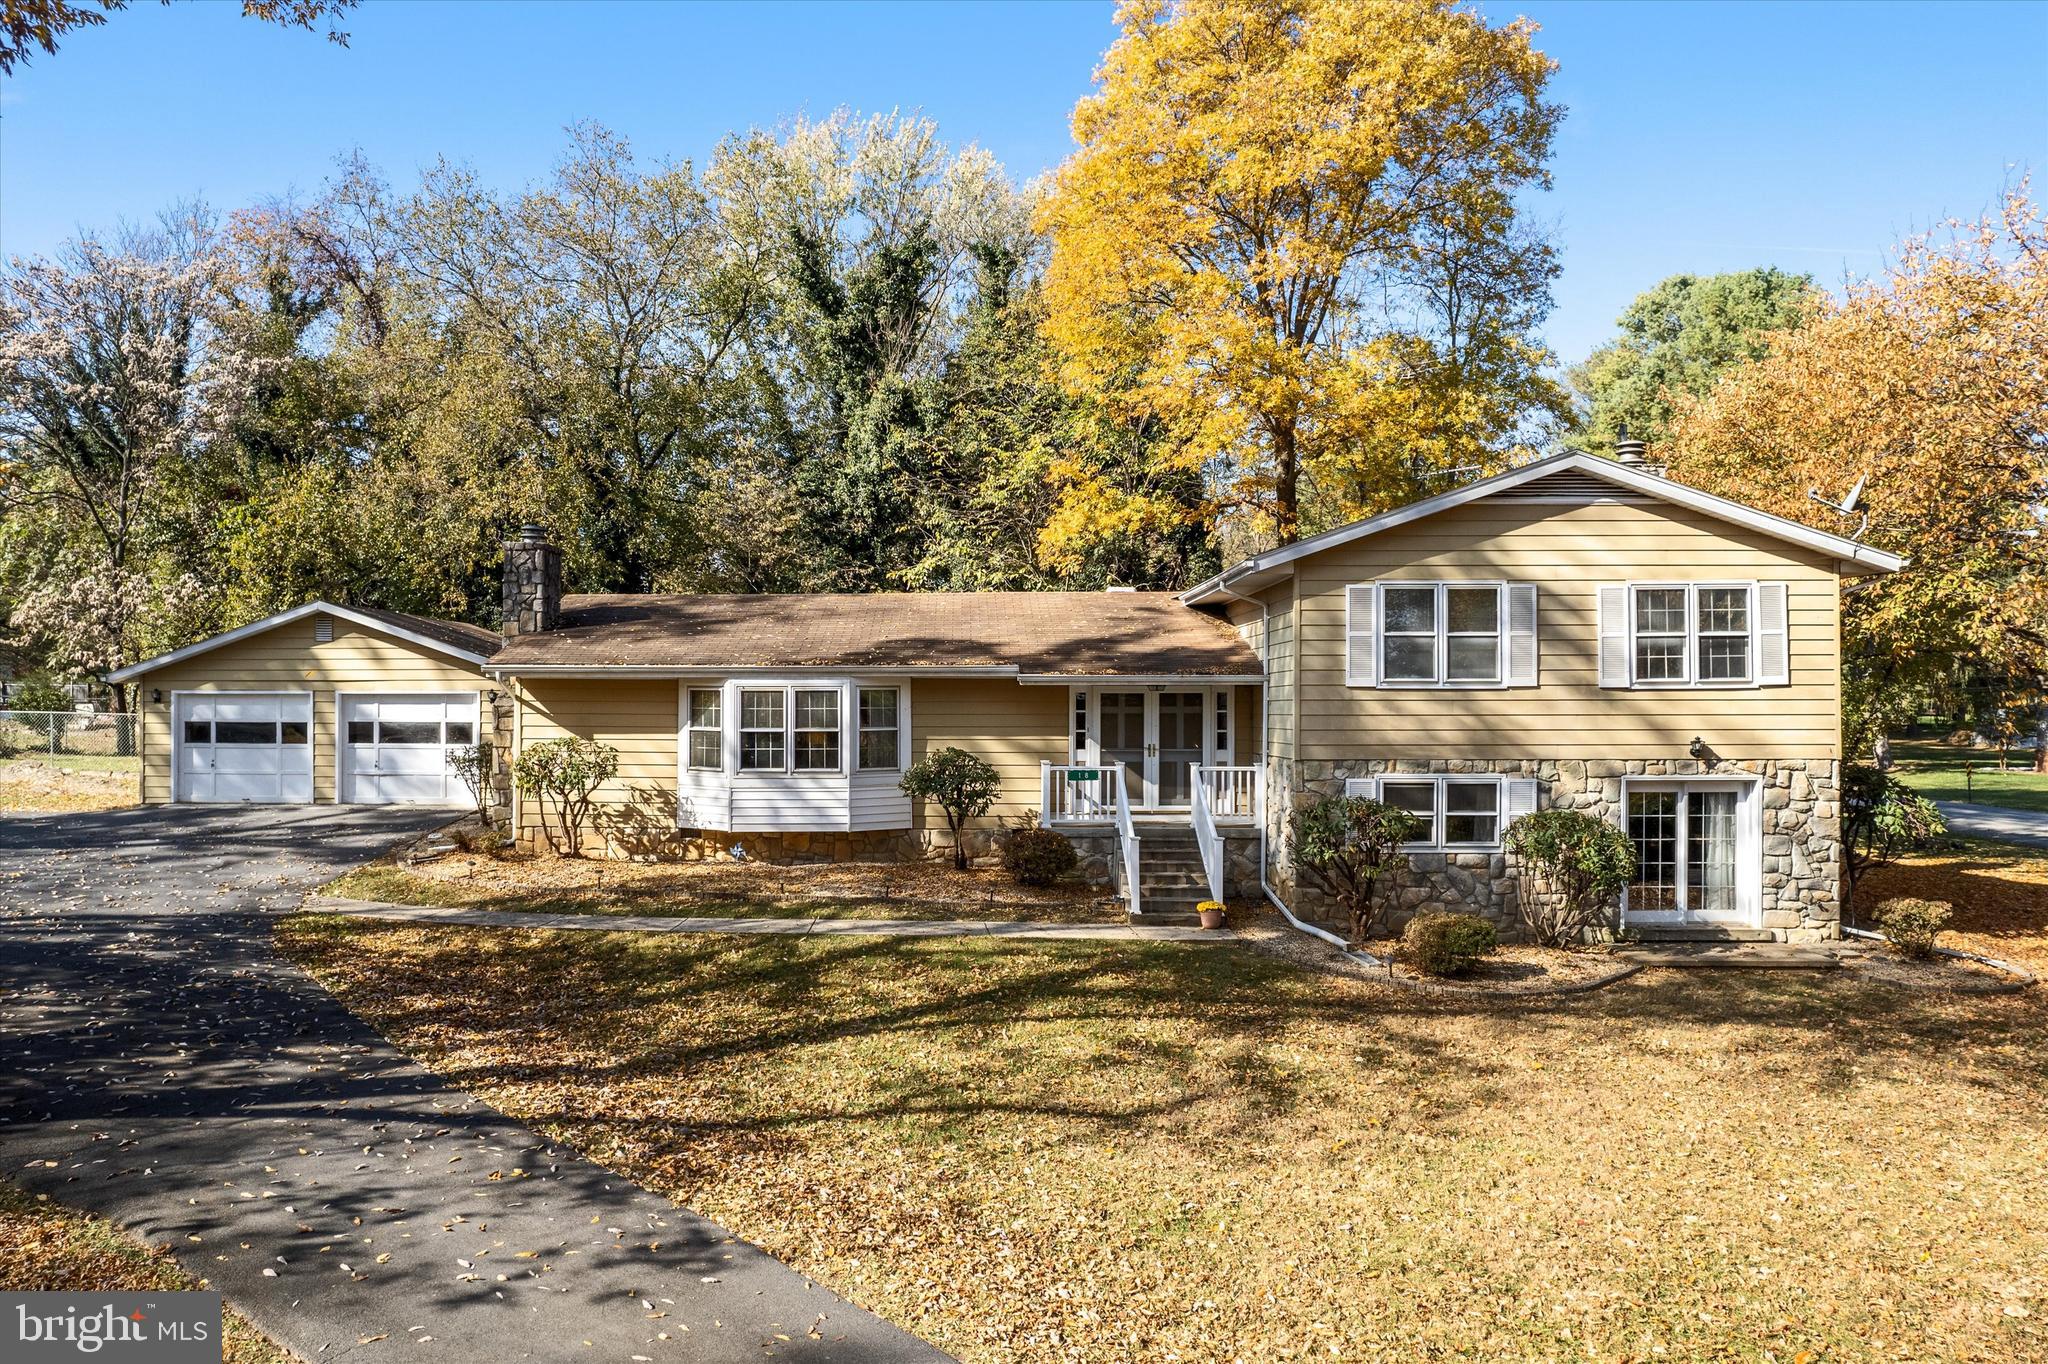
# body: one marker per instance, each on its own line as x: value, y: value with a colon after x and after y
x: 2029, y: 827
x: 166, y: 1069
x: 887, y: 928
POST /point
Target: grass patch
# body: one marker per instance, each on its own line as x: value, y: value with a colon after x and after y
x: 1138, y: 1151
x: 46, y: 1247
x: 68, y: 784
x: 1935, y: 770
x: 554, y: 885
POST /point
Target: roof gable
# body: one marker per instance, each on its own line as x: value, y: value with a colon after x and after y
x: 469, y: 643
x: 1571, y: 478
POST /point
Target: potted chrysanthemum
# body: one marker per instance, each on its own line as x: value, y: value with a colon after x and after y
x: 1211, y: 912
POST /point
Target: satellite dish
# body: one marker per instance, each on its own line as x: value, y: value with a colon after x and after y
x: 1849, y: 506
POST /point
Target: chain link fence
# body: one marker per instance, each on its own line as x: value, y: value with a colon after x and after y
x: 67, y: 734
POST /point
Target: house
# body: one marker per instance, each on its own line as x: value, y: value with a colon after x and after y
x: 1576, y: 632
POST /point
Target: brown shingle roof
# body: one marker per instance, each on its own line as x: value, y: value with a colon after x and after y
x: 1078, y: 633
x: 457, y: 634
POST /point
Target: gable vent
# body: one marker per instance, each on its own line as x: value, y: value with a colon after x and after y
x: 1571, y: 485
x: 323, y: 629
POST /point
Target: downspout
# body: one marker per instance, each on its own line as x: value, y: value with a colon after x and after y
x: 1266, y: 758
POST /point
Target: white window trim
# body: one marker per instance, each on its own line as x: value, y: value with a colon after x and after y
x: 739, y: 727
x: 1371, y: 787
x: 902, y: 729
x: 690, y: 729
x: 1749, y: 861
x: 1443, y: 681
x: 1692, y: 637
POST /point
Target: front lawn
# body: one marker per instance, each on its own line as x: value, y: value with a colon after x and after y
x: 48, y: 1248
x: 1055, y: 1151
x: 1935, y: 770
x: 850, y: 890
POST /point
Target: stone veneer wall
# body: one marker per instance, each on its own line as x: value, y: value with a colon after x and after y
x: 1801, y: 818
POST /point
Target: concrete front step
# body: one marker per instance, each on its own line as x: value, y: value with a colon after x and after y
x: 1700, y: 933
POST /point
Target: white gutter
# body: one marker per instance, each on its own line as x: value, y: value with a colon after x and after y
x: 1266, y: 757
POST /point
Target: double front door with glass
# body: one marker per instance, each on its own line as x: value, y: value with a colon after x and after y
x: 1157, y: 736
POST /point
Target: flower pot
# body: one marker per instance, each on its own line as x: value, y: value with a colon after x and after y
x: 1212, y: 918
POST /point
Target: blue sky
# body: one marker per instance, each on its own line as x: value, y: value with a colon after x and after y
x: 1700, y: 137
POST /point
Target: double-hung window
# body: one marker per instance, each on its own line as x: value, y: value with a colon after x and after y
x: 764, y: 737
x: 706, y: 732
x: 815, y: 744
x: 1440, y: 634
x: 881, y: 736
x: 1691, y: 632
x: 1456, y: 813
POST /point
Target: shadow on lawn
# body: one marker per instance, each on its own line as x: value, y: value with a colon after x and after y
x: 1114, y: 1039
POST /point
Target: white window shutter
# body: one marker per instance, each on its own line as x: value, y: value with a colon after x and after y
x: 1773, y: 632
x: 1614, y: 659
x: 1521, y: 635
x: 1361, y: 637
x: 1521, y: 799
x: 1361, y: 786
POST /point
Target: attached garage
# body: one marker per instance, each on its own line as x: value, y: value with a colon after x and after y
x: 318, y: 704
x: 395, y: 748
x: 243, y: 746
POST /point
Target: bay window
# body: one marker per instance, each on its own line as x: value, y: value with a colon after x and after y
x: 881, y: 740
x: 763, y: 739
x: 816, y: 745
x: 706, y: 730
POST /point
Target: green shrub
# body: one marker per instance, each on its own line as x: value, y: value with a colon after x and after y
x: 1911, y: 926
x: 1573, y: 867
x: 960, y: 784
x: 39, y: 693
x: 1443, y: 944
x: 564, y: 774
x: 1344, y: 845
x: 1038, y: 857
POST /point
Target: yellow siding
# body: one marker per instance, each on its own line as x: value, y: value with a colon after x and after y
x: 1568, y: 551
x: 1012, y: 728
x: 637, y: 808
x: 286, y: 658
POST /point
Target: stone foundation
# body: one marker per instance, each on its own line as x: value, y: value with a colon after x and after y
x: 1800, y: 817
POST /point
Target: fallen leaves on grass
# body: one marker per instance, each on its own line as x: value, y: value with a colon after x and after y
x: 30, y: 786
x: 45, y: 1247
x: 1999, y: 891
x: 1053, y: 1151
x: 865, y: 890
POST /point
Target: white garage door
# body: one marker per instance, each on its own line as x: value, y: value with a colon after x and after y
x: 395, y: 748
x: 236, y: 747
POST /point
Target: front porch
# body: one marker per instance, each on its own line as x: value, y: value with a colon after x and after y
x: 1164, y: 859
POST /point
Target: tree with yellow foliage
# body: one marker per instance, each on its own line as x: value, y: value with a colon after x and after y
x: 1929, y: 382
x: 1289, y: 241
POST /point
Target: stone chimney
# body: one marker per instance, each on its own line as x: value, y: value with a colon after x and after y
x: 533, y: 583
x: 1628, y: 450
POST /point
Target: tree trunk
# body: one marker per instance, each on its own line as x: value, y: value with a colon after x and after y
x: 1883, y: 753
x: 1286, y: 482
x: 2041, y: 741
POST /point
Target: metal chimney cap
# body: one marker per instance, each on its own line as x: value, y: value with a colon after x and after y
x: 532, y: 534
x: 1627, y: 450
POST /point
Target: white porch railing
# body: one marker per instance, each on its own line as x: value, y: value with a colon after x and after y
x: 1126, y: 840
x: 1207, y: 840
x: 1233, y: 791
x: 1078, y: 794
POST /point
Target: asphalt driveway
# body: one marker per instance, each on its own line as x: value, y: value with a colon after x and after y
x: 163, y: 1067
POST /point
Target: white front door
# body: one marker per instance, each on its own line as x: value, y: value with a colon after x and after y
x: 395, y: 748
x: 1159, y: 736
x: 1697, y: 854
x: 254, y: 747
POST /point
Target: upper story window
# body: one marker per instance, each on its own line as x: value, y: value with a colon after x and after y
x: 1705, y: 634
x: 1440, y: 634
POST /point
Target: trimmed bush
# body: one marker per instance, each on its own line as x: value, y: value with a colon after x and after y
x: 1038, y: 857
x: 1573, y: 867
x: 1911, y: 926
x: 960, y: 784
x: 1344, y: 845
x: 1442, y: 944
